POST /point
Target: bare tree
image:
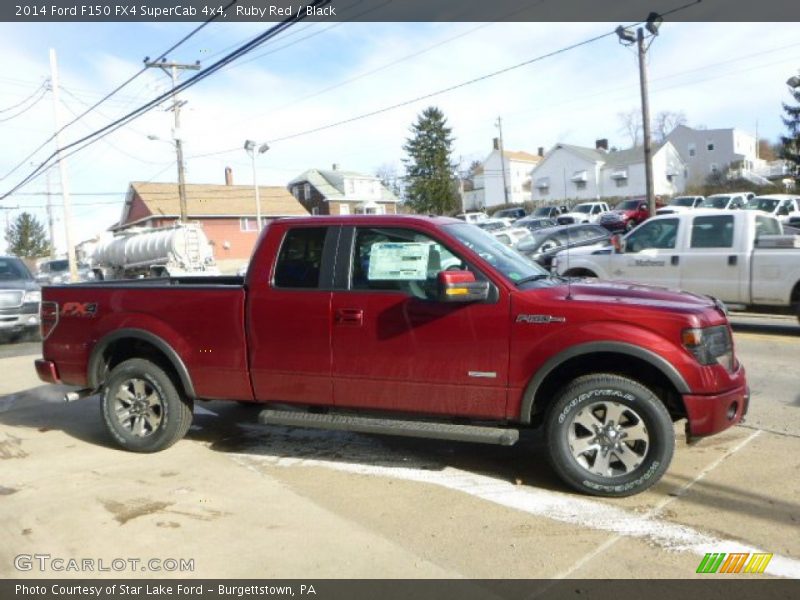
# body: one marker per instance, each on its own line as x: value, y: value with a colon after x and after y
x: 630, y: 124
x: 665, y: 122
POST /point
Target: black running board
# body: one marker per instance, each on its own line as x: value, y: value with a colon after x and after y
x: 422, y: 429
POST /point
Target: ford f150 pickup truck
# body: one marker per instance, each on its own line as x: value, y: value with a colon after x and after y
x: 419, y: 326
x: 733, y: 255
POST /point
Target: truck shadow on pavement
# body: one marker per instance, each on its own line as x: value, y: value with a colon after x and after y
x: 43, y: 409
x: 235, y: 430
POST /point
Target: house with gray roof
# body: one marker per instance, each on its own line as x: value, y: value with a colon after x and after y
x: 338, y: 192
x: 569, y: 172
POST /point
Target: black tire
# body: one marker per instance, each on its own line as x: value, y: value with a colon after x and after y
x: 576, y: 446
x: 142, y: 408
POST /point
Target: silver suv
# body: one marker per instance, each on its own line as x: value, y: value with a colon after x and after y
x: 19, y: 299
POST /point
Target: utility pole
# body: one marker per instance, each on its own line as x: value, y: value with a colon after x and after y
x: 50, y: 215
x: 62, y: 169
x: 171, y: 69
x: 502, y: 160
x: 627, y: 37
x: 648, y: 150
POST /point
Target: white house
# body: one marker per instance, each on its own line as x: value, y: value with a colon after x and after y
x: 707, y: 151
x: 570, y: 172
x: 488, y: 180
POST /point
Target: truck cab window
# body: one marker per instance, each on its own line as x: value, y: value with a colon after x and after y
x: 298, y: 264
x: 661, y: 233
x: 402, y: 260
x: 712, y: 232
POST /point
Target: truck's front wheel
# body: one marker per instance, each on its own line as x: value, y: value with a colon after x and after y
x: 142, y: 408
x: 609, y: 436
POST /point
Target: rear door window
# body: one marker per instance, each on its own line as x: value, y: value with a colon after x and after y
x: 712, y: 232
x: 300, y: 258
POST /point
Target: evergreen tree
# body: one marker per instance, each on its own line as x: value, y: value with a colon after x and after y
x: 790, y: 144
x: 26, y: 237
x: 431, y: 185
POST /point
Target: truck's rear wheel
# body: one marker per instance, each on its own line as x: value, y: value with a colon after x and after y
x: 142, y: 408
x: 609, y: 436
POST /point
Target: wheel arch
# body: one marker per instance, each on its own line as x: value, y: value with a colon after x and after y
x: 123, y: 344
x: 604, y: 357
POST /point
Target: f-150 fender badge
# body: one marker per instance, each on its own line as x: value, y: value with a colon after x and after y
x: 539, y: 319
x: 86, y: 310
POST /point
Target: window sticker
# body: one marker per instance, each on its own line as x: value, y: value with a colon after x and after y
x: 401, y: 261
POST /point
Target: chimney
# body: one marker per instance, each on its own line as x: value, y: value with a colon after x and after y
x: 496, y: 143
x: 228, y: 176
x: 540, y: 151
x: 335, y: 167
x: 601, y: 144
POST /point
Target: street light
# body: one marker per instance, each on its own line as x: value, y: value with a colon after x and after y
x: 628, y: 37
x: 250, y: 148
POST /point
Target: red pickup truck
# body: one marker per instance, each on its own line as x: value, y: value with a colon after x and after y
x: 418, y: 326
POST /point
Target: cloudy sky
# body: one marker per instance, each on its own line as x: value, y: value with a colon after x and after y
x: 719, y: 75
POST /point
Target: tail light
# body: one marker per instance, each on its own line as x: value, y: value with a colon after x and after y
x: 48, y: 317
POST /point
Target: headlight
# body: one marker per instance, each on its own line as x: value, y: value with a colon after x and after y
x: 710, y: 345
x: 32, y: 297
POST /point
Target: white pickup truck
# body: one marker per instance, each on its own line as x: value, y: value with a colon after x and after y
x: 740, y: 257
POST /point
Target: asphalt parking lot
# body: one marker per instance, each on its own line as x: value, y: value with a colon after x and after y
x: 242, y: 500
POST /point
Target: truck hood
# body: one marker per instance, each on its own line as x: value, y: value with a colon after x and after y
x: 19, y: 284
x: 635, y: 294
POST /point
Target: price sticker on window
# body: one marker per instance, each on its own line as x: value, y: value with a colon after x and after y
x: 399, y: 261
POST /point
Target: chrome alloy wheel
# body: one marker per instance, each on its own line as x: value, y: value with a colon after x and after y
x: 138, y: 407
x: 608, y: 439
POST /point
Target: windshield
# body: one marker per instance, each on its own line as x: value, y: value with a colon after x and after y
x: 510, y: 263
x: 682, y: 201
x: 544, y: 211
x: 766, y: 204
x: 716, y: 202
x: 12, y: 269
x: 628, y: 205
x: 582, y: 208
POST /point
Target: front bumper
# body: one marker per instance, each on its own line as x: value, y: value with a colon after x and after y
x: 18, y: 322
x: 708, y: 415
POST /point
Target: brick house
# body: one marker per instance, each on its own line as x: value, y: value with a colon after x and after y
x: 226, y: 212
x: 337, y: 192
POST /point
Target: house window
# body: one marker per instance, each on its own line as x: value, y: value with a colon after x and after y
x: 580, y: 185
x: 692, y: 150
x: 344, y: 209
x: 307, y: 191
x: 714, y: 168
x: 315, y: 210
x: 246, y: 224
x: 621, y: 183
x: 544, y: 191
x: 296, y: 192
x: 351, y: 188
x: 710, y: 146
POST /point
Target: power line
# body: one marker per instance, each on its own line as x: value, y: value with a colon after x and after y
x: 13, y: 106
x: 109, y: 144
x: 27, y: 108
x: 114, y: 91
x: 245, y: 49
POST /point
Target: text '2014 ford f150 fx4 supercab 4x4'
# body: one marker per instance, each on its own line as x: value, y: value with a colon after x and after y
x: 419, y: 326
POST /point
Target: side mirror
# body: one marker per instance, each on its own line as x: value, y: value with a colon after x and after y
x: 618, y: 243
x: 461, y: 286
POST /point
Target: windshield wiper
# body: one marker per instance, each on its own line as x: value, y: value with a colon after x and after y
x: 530, y: 278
